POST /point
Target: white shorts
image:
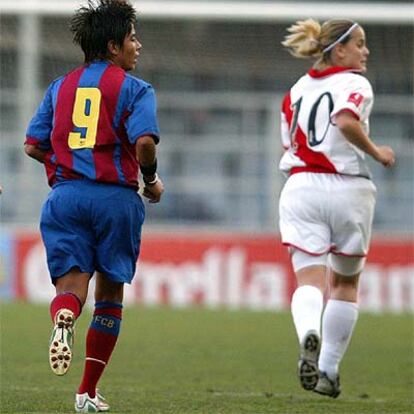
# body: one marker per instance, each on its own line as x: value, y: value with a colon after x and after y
x: 344, y: 265
x: 327, y: 213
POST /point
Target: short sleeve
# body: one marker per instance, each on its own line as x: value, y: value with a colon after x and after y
x: 142, y: 119
x: 285, y: 116
x: 40, y: 127
x: 357, y: 97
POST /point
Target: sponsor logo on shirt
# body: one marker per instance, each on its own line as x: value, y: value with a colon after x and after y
x: 356, y: 98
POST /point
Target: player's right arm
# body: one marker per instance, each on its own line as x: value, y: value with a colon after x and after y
x: 142, y: 128
x: 352, y: 108
x: 146, y: 155
x: 352, y: 130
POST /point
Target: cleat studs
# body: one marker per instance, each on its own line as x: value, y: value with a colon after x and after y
x: 60, y: 353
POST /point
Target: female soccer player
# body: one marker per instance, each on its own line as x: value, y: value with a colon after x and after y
x: 327, y: 204
x: 94, y: 128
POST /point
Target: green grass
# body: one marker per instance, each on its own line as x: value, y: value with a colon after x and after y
x: 211, y: 362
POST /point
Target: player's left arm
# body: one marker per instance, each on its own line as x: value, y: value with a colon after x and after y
x: 285, y: 132
x: 35, y: 152
x: 37, y: 144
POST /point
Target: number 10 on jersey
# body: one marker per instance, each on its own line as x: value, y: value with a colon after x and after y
x: 85, y: 115
x: 316, y: 131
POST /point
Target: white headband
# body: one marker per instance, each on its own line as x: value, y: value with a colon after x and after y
x: 340, y: 38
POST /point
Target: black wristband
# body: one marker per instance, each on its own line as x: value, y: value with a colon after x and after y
x: 150, y: 169
x: 153, y: 181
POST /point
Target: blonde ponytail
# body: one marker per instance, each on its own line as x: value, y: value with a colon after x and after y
x: 303, y: 40
x: 309, y: 39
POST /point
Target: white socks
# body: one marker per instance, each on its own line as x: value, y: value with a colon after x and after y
x: 338, y: 323
x: 306, y: 307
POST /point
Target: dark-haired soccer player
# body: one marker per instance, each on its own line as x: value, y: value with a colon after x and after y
x: 94, y: 129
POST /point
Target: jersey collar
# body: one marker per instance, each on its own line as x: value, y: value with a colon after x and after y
x: 330, y: 71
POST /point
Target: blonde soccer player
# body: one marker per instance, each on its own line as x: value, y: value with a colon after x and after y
x: 327, y: 204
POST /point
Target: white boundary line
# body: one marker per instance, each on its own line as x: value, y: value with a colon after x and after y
x: 380, y: 13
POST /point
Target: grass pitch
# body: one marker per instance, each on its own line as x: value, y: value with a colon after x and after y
x: 202, y: 361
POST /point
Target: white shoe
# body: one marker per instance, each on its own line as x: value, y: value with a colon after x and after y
x: 308, y: 361
x: 328, y: 386
x: 86, y: 404
x: 61, y: 342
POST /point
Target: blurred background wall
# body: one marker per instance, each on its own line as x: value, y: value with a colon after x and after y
x: 219, y: 82
x: 220, y: 73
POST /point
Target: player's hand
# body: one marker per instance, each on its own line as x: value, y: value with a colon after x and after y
x: 385, y: 155
x: 153, y: 191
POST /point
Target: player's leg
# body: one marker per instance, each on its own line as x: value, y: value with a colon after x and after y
x: 117, y: 224
x: 302, y: 206
x: 351, y: 215
x: 306, y: 308
x: 65, y: 308
x: 338, y: 322
x: 100, y: 342
x: 70, y: 253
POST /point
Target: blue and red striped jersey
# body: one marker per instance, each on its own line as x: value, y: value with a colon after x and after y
x: 89, y: 121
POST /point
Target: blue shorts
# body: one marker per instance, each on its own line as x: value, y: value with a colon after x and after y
x: 92, y: 226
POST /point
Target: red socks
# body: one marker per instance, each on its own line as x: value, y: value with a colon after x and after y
x: 65, y: 301
x: 101, y: 337
x: 100, y: 342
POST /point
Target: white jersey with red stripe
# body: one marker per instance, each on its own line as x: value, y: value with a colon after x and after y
x: 312, y: 141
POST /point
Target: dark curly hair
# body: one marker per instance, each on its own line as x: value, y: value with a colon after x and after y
x: 94, y: 25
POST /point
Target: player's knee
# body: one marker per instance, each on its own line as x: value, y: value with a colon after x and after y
x: 75, y: 282
x: 346, y: 266
x: 106, y: 290
x: 344, y: 287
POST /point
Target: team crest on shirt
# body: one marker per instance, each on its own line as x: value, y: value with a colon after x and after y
x: 355, y: 98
